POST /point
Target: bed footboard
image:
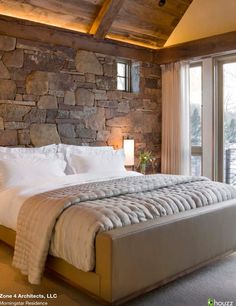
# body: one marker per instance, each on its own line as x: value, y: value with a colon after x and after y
x: 140, y: 257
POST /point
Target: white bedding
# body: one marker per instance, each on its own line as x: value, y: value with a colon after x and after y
x: 12, y: 198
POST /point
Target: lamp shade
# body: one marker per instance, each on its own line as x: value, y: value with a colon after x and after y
x: 129, y: 152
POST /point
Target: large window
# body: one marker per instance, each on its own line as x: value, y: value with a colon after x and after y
x: 196, y: 118
x: 227, y: 120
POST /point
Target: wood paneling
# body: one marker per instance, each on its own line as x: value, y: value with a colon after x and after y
x: 149, y: 20
x: 197, y: 48
x: 55, y: 36
x: 140, y: 22
x: 69, y: 14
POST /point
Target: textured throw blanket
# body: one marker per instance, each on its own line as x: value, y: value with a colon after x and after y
x: 68, y: 219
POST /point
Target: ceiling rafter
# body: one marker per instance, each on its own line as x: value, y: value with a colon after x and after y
x: 105, y: 18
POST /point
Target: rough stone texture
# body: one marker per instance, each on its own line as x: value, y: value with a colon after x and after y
x: 7, y: 89
x: 67, y: 130
x: 24, y: 137
x: 35, y: 116
x: 14, y: 58
x: 7, y: 43
x: 1, y: 124
x: 4, y: 73
x: 87, y: 62
x: 50, y: 94
x: 8, y: 138
x: 84, y: 97
x: 37, y: 83
x: 69, y: 98
x: 13, y: 112
x: 47, y: 102
x: 43, y: 134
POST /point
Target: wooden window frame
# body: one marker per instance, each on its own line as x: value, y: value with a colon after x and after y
x: 127, y: 76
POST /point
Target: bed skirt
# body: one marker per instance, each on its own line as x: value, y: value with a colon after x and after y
x: 138, y: 258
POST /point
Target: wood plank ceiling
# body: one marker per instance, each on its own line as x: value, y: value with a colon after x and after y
x: 138, y: 22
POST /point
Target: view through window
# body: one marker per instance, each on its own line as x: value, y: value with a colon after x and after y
x: 196, y: 118
x: 229, y: 122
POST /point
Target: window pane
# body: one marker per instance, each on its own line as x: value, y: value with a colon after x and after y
x: 121, y: 69
x: 196, y: 105
x: 196, y: 165
x: 229, y: 98
x: 120, y: 83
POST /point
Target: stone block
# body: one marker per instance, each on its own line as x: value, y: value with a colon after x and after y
x: 14, y: 58
x: 11, y: 112
x: 84, y: 97
x: 114, y: 95
x: 108, y: 69
x: 103, y: 135
x: 44, y: 134
x: 69, y: 98
x: 87, y: 62
x: 105, y: 83
x: 36, y: 116
x: 62, y: 81
x: 1, y: 124
x: 51, y: 115
x: 24, y: 137
x: 119, y: 121
x: 47, y: 102
x: 37, y: 83
x: 57, y: 93
x: 107, y: 104
x: 13, y: 125
x: 90, y: 77
x: 100, y: 94
x: 63, y: 114
x: 8, y: 138
x: 151, y: 83
x: 7, y: 90
x: 7, y: 43
x: 123, y: 107
x: 19, y: 97
x: 96, y: 121
x: 4, y: 73
x: 66, y: 130
x: 44, y: 61
x: 86, y: 133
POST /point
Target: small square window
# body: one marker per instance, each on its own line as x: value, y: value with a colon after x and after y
x: 123, y: 76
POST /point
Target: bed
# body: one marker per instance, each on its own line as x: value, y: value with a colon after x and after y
x: 132, y: 259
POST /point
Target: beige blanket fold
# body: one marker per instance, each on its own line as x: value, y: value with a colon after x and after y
x: 66, y: 221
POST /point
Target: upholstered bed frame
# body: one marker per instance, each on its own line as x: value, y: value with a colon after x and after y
x: 138, y: 258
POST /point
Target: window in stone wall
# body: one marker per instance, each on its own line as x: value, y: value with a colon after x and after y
x: 128, y: 77
x: 123, y: 75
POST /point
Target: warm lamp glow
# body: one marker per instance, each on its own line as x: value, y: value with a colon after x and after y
x: 129, y: 152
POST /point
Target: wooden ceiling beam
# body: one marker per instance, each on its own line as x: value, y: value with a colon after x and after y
x: 56, y: 36
x: 105, y: 18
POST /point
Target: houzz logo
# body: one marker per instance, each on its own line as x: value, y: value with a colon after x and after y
x: 213, y: 302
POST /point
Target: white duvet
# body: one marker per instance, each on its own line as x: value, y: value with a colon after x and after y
x: 12, y: 198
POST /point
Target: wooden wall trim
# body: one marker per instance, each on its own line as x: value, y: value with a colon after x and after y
x: 206, y: 46
x: 56, y: 36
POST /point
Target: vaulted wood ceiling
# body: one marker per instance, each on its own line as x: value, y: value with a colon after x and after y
x: 138, y: 22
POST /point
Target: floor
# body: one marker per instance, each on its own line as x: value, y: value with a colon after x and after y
x: 217, y: 281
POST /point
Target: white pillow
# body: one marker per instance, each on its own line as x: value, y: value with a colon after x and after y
x: 103, y: 162
x: 67, y: 150
x: 45, y: 149
x: 30, y: 155
x: 28, y: 171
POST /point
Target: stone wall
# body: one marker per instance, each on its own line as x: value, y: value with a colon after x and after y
x: 52, y: 94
